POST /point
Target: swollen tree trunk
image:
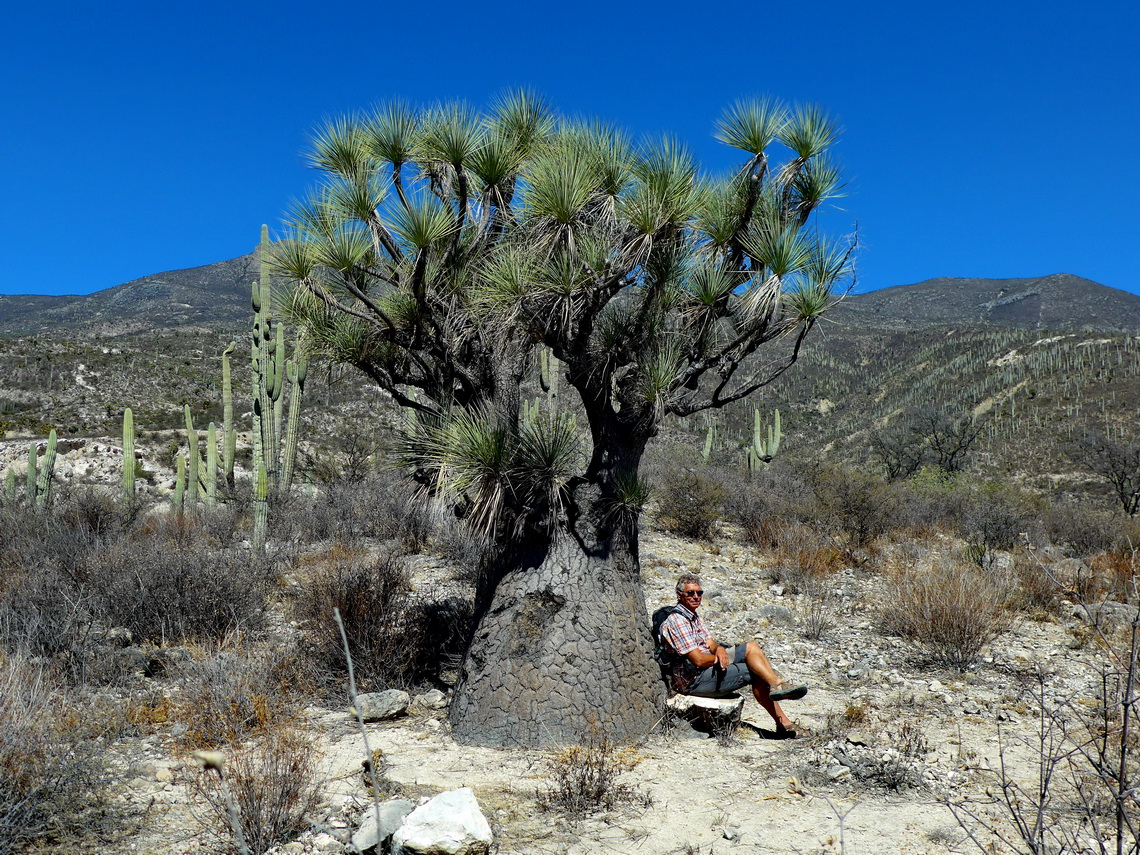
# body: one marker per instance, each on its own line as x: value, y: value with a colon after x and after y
x: 564, y: 648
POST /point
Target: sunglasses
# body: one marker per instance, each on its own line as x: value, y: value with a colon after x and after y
x: 692, y: 593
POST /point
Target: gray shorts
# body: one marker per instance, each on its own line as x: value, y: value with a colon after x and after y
x: 715, y: 683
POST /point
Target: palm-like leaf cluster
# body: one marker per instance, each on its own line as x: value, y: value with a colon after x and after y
x: 445, y: 244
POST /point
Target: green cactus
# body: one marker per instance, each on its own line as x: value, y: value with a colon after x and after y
x: 30, y: 485
x: 548, y: 375
x: 710, y: 438
x: 211, y: 466
x: 192, y: 458
x: 44, y: 478
x: 128, y: 455
x: 762, y: 450
x: 229, y: 431
x: 261, y: 509
x: 10, y: 485
x: 298, y: 368
x: 179, y: 484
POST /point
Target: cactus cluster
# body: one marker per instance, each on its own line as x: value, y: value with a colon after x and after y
x: 39, y: 482
x: 274, y: 454
x: 765, y: 442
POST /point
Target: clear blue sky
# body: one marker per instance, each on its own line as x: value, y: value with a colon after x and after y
x: 987, y: 139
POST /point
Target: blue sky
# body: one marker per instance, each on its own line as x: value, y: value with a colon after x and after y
x: 981, y: 139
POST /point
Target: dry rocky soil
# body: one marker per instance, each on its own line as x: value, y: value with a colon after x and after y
x: 888, y: 741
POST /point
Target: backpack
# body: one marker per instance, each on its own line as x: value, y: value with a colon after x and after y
x: 662, y: 655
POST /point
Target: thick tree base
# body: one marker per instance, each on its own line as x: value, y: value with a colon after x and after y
x: 564, y: 651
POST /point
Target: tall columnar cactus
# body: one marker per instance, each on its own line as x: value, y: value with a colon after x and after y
x: 260, y: 509
x: 10, y: 485
x: 298, y: 369
x: 548, y: 375
x: 44, y: 478
x: 211, y: 466
x: 229, y: 430
x: 128, y: 455
x: 710, y: 438
x: 762, y: 449
x: 179, y: 484
x: 192, y: 458
x: 30, y: 484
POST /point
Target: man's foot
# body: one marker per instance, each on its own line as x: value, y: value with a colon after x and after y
x: 786, y: 692
x: 786, y: 730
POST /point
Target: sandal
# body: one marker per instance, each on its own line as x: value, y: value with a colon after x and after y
x: 786, y: 692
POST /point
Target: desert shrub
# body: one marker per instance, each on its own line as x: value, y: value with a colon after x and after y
x: 950, y: 611
x: 1113, y: 576
x: 818, y: 607
x: 1083, y: 528
x: 690, y: 503
x: 929, y: 500
x: 996, y: 516
x: 900, y: 766
x: 272, y: 785
x: 381, y: 505
x: 585, y: 779
x: 175, y: 589
x: 229, y: 692
x: 51, y: 778
x: 1038, y: 587
x: 395, y: 638
x: 776, y: 495
x: 852, y: 502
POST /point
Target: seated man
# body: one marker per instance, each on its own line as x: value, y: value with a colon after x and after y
x: 704, y: 668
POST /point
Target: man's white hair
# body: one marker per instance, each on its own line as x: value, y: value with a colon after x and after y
x: 687, y: 579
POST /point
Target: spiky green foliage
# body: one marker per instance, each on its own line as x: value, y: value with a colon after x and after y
x: 657, y: 290
x: 128, y: 455
x: 10, y: 485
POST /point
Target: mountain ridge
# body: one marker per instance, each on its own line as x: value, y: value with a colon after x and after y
x: 216, y: 296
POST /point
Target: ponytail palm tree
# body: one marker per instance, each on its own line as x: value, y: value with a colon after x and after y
x: 446, y: 246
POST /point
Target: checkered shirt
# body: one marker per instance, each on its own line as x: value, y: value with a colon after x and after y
x: 682, y: 632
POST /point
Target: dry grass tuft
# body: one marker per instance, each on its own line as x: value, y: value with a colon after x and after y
x: 585, y: 779
x: 274, y: 788
x: 950, y: 611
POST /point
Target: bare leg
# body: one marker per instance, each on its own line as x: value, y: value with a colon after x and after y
x: 765, y: 678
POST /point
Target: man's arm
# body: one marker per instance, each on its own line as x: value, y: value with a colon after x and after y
x: 716, y: 655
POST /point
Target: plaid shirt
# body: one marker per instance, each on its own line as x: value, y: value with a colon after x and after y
x: 682, y: 632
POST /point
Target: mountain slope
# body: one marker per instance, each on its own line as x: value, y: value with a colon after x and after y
x: 211, y: 296
x: 1061, y: 302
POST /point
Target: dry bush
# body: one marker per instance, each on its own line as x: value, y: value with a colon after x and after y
x: 78, y: 568
x: 996, y: 516
x: 1116, y: 573
x: 229, y: 693
x: 818, y: 613
x: 396, y: 639
x: 177, y: 588
x: 1083, y: 528
x: 381, y: 505
x: 852, y: 502
x: 950, y: 611
x: 690, y: 503
x: 273, y: 785
x: 585, y: 779
x: 1038, y: 587
x: 51, y: 776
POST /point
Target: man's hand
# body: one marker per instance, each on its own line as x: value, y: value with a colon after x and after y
x: 721, y: 655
